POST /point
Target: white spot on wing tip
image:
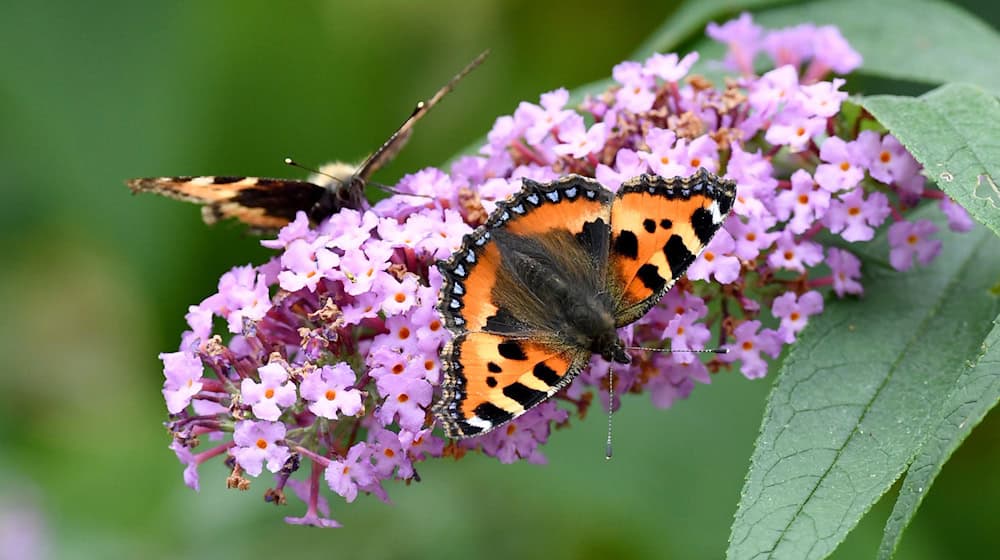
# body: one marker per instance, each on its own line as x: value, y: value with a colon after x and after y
x: 716, y: 214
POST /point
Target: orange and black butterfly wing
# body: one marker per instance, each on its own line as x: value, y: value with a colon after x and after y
x: 490, y: 379
x: 261, y: 203
x: 510, y: 351
x: 658, y: 228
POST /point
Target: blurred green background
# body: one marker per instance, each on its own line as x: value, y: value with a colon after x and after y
x: 95, y: 283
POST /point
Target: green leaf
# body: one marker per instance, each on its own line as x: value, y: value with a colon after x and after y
x: 690, y: 18
x: 858, y: 394
x: 919, y: 40
x: 978, y: 391
x: 953, y: 132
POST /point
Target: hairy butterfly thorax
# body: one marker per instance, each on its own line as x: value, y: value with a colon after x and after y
x: 549, y: 278
x: 267, y: 204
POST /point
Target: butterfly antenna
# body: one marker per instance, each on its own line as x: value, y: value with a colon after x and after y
x: 421, y: 108
x: 704, y: 351
x: 291, y: 162
x: 394, y: 190
x: 611, y: 408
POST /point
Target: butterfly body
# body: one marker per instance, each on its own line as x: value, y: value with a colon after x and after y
x: 549, y: 279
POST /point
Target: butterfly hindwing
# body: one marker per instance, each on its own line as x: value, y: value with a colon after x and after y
x: 659, y: 227
x: 491, y: 379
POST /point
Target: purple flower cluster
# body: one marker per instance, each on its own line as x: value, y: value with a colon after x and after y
x: 329, y: 353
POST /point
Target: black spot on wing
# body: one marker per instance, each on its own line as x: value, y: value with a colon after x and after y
x: 226, y: 179
x: 649, y: 225
x: 492, y: 413
x: 494, y: 368
x: 491, y: 381
x: 704, y: 228
x: 545, y: 374
x: 627, y: 245
x: 666, y: 224
x: 650, y: 277
x: 678, y: 255
x: 524, y: 395
x: 511, y: 350
x: 503, y: 322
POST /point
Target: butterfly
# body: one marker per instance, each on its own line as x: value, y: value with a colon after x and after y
x: 546, y: 282
x: 268, y: 204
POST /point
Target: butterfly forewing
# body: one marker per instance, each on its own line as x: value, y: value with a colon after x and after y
x: 659, y: 227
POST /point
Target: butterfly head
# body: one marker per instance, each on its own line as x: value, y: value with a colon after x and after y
x: 611, y: 348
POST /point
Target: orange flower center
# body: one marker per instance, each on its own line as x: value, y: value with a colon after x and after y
x: 748, y: 345
x: 389, y: 453
x: 911, y: 239
x: 803, y: 199
x: 844, y: 166
x: 262, y: 443
x: 330, y: 394
x: 751, y: 236
x: 511, y: 429
x: 885, y: 156
x: 800, y: 131
x: 789, y: 255
x: 854, y: 210
x: 664, y: 160
x: 269, y: 394
x: 695, y: 162
x: 404, y: 333
x: 397, y: 369
x: 794, y: 316
x: 403, y: 398
x: 400, y: 297
x: 435, y: 325
x: 709, y: 256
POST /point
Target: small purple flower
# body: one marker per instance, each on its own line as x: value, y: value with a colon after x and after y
x: 794, y: 312
x: 855, y: 217
x: 743, y: 39
x: 748, y: 346
x: 183, y: 371
x: 258, y: 443
x: 958, y: 217
x: 751, y: 236
x: 330, y: 391
x: 804, y: 204
x: 668, y: 68
x: 400, y: 295
x: 685, y: 333
x: 636, y: 94
x: 908, y: 239
x: 846, y: 162
x: 388, y: 454
x: 406, y: 399
x: 346, y: 475
x: 542, y: 119
x: 795, y: 255
x: 832, y: 51
x: 846, y: 270
x: 274, y: 391
x: 717, y: 260
x: 628, y: 164
x: 791, y: 45
x: 578, y: 141
x: 305, y: 263
x: 190, y: 462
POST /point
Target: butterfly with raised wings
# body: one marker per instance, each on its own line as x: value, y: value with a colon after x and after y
x: 546, y: 282
x: 267, y: 204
